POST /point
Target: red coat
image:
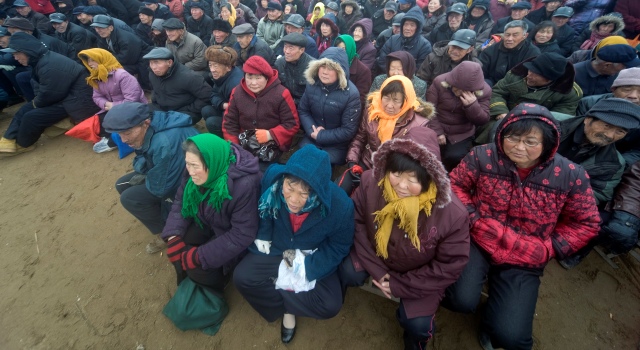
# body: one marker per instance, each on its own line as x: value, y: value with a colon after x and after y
x: 272, y: 109
x: 42, y: 6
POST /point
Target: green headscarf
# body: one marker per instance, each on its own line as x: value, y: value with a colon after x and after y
x: 217, y: 155
x: 349, y: 44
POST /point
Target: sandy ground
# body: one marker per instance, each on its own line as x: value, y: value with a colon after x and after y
x: 75, y: 276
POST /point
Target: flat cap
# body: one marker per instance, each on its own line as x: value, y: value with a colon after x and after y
x: 78, y: 10
x: 159, y: 53
x: 616, y: 111
x: 295, y: 20
x: 172, y: 23
x: 95, y: 10
x: 57, y: 17
x: 18, y: 22
x: 391, y: 6
x: 242, y: 29
x: 157, y: 24
x: 125, y: 116
x: 20, y: 3
x: 618, y: 53
x: 145, y: 11
x: 521, y: 5
x: 564, y: 11
x: 101, y: 21
x: 272, y: 5
x: 296, y: 39
x: 197, y: 5
x: 4, y: 32
x: 333, y: 5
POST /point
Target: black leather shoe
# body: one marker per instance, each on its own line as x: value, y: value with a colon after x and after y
x: 287, y: 333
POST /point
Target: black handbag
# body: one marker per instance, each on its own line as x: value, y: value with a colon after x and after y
x: 266, y: 152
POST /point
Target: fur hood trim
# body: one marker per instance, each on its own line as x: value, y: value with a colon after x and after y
x: 617, y: 22
x: 311, y: 74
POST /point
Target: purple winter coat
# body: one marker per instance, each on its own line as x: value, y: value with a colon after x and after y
x: 120, y: 87
x: 235, y: 226
x: 364, y: 48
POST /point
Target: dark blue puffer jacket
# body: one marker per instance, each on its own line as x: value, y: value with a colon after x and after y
x: 416, y: 45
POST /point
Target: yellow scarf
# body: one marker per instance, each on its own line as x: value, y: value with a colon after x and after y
x: 386, y: 123
x: 314, y: 18
x: 232, y: 16
x: 106, y: 63
x: 406, y: 210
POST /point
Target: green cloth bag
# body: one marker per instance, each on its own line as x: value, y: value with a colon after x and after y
x: 195, y: 307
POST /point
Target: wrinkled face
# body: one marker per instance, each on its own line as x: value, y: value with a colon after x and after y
x: 513, y: 37
x: 91, y: 63
x: 606, y: 28
x: 457, y: 53
x: 174, y: 34
x: 244, y: 40
x: 144, y: 19
x: 559, y: 21
x: 395, y: 68
x: 552, y: 6
x: 535, y: 80
x: 434, y: 5
x: 600, y: 133
x: 358, y: 34
x: 454, y: 19
x: 23, y: 10
x: 196, y: 169
x: 519, y: 14
x: 218, y: 70
x: 225, y: 13
x: 295, y: 194
x: 477, y: 12
x: 524, y: 150
x: 392, y: 103
x: 220, y: 36
x: 274, y: 14
x: 134, y: 137
x: 22, y: 58
x: 628, y: 92
x: 292, y: 53
x: 388, y: 15
x: 84, y: 18
x: 544, y: 35
x: 60, y: 27
x: 255, y: 82
x: 104, y: 32
x: 292, y: 29
x: 325, y: 29
x: 405, y: 184
x: 196, y: 13
x: 409, y: 28
x: 160, y: 67
x: 608, y: 68
x: 348, y: 9
x: 327, y: 75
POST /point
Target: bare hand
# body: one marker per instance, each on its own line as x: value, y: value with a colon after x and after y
x: 225, y: 105
x: 383, y: 284
x: 442, y: 140
x: 263, y: 136
x: 467, y: 98
x: 108, y: 105
x: 316, y: 131
x: 500, y: 116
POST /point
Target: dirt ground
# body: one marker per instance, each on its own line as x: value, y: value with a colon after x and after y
x: 75, y: 276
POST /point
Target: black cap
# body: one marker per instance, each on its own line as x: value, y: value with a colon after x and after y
x: 198, y: 5
x: 296, y: 39
x: 521, y: 5
x: 102, y: 21
x: 125, y: 116
x: 457, y: 8
x: 463, y: 38
x: 272, y: 5
x: 616, y: 111
x: 145, y: 11
x: 19, y: 22
x: 221, y: 25
x: 483, y: 4
x: 564, y: 11
x: 549, y: 64
x: 391, y: 6
x: 4, y: 32
x: 23, y: 42
x: 397, y: 19
x: 95, y: 10
x: 295, y: 20
x: 159, y: 53
x: 243, y: 29
x: 20, y: 3
x: 57, y: 17
x: 78, y: 10
x: 172, y: 23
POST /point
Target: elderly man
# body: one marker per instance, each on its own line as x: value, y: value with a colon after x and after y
x: 270, y: 27
x: 293, y: 64
x: 161, y: 11
x: 480, y: 21
x: 544, y: 13
x: 143, y: 28
x: 248, y: 44
x: 596, y: 76
x: 383, y: 18
x: 455, y: 22
x: 226, y: 76
x: 519, y: 11
x: 565, y: 35
x: 447, y: 55
x: 60, y: 91
x: 389, y: 32
x: 408, y: 40
x: 15, y: 25
x: 71, y: 33
x: 499, y: 58
x: 295, y: 24
x: 147, y: 192
x: 38, y: 20
x: 221, y: 34
x: 199, y: 24
x: 127, y: 47
x: 187, y: 48
x: 176, y: 87
x: 85, y: 18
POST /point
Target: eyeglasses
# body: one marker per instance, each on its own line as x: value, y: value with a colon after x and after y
x: 527, y: 142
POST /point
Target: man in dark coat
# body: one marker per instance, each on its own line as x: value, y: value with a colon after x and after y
x: 295, y: 24
x: 447, y: 55
x: 127, y: 47
x: 383, y: 18
x: 88, y: 12
x: 15, y: 25
x: 480, y: 21
x: 71, y: 33
x: 221, y: 33
x: 544, y: 13
x: 409, y: 39
x: 499, y: 58
x: 60, y: 91
x: 143, y: 29
x: 518, y: 12
x: 249, y: 44
x: 370, y: 7
x: 38, y: 20
x: 198, y: 23
x: 118, y: 9
x: 159, y: 10
x: 292, y: 65
x: 565, y: 35
x: 176, y: 87
x: 455, y: 21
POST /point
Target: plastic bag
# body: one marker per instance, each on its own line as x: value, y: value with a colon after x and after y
x: 86, y: 130
x: 123, y: 149
x: 294, y: 278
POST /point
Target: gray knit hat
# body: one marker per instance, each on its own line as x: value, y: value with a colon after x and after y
x: 627, y: 77
x: 616, y: 111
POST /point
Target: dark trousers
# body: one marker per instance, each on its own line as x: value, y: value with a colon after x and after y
x: 28, y: 123
x: 23, y: 80
x: 152, y: 211
x: 513, y: 294
x: 213, y: 119
x: 212, y: 279
x: 452, y: 153
x: 417, y: 330
x: 255, y: 275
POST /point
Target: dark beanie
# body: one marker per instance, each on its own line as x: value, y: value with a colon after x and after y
x: 549, y: 64
x: 221, y: 25
x: 145, y: 11
x: 258, y: 65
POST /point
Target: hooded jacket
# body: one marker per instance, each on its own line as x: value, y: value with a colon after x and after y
x: 497, y: 60
x: 272, y: 109
x: 409, y: 70
x: 418, y: 277
x: 234, y: 227
x: 439, y: 62
x: 561, y: 96
x: 417, y: 45
x: 365, y: 49
x: 482, y: 26
x: 56, y: 79
x: 586, y: 11
x: 335, y: 107
x: 128, y: 48
x: 161, y: 157
x: 586, y: 34
x: 328, y: 228
x: 189, y: 51
x: 525, y: 222
x: 454, y: 120
x: 349, y: 20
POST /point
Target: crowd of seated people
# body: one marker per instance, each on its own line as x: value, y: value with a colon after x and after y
x: 431, y: 146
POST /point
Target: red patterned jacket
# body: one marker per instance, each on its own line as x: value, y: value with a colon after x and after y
x: 551, y: 213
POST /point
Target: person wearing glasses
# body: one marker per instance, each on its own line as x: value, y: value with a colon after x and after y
x: 527, y: 205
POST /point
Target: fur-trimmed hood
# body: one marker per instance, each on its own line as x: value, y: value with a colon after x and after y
x: 334, y: 58
x: 421, y: 145
x: 466, y: 76
x: 617, y: 22
x: 563, y: 85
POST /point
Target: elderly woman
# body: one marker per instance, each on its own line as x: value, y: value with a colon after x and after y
x: 326, y: 31
x: 111, y: 85
x: 262, y: 103
x: 361, y: 34
x: 412, y: 233
x: 600, y: 28
x: 302, y: 214
x: 461, y: 98
x: 213, y: 218
x: 401, y: 63
x: 527, y: 205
